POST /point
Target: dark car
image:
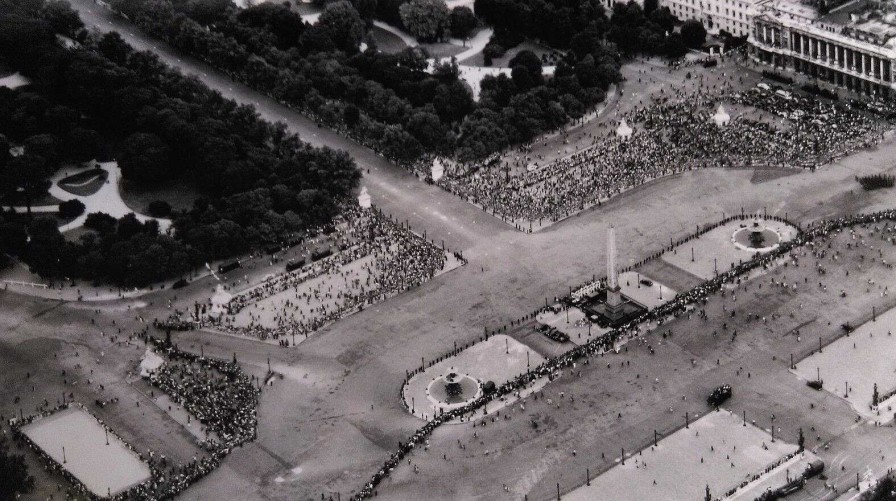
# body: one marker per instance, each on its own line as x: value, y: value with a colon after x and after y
x: 719, y: 395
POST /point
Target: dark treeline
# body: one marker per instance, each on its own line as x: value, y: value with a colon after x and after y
x: 388, y: 102
x: 583, y: 27
x: 259, y: 184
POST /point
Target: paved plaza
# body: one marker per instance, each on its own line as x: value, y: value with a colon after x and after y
x: 852, y: 365
x: 333, y: 408
x: 717, y: 251
x: 498, y: 360
x: 716, y: 450
x: 100, y: 461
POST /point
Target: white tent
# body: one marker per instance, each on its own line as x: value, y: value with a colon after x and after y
x: 721, y: 118
x: 150, y: 363
x: 624, y: 131
x: 219, y: 301
x: 438, y: 170
x: 364, y: 198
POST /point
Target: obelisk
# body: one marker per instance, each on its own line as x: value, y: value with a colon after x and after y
x: 614, y: 295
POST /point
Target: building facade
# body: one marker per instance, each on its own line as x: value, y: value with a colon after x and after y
x: 851, y: 47
x: 733, y: 16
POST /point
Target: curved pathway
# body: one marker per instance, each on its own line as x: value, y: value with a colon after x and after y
x: 407, y: 39
x: 394, y: 190
x: 338, y: 415
x: 107, y: 199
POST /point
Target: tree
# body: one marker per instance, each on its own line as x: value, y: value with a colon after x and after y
x: 28, y: 175
x: 4, y: 155
x: 71, y: 209
x: 344, y: 25
x: 462, y: 22
x: 100, y: 222
x: 351, y: 115
x: 82, y: 145
x: 664, y: 18
x: 453, y: 101
x: 159, y: 208
x: 14, y: 477
x: 144, y: 157
x: 210, y: 11
x: 45, y: 146
x: 366, y: 9
x: 427, y: 20
x: 693, y: 34
x: 281, y: 21
x: 427, y: 128
x: 114, y: 47
x: 45, y: 247
x: 650, y: 6
x: 62, y: 18
x: 675, y: 48
x: 531, y: 62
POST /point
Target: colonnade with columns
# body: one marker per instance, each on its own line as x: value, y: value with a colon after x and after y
x: 844, y: 66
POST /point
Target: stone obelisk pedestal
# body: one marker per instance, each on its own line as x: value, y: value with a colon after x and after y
x: 615, y: 302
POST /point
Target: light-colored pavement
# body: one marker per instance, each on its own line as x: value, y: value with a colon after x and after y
x: 337, y: 415
x: 107, y: 199
x: 393, y: 189
x: 407, y: 39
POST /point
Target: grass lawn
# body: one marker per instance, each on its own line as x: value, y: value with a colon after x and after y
x: 440, y: 50
x: 389, y: 43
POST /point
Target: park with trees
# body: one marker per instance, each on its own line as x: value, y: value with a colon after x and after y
x: 259, y: 185
x: 395, y: 103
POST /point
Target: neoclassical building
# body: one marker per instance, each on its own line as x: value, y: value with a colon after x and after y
x: 853, y: 46
x: 733, y: 16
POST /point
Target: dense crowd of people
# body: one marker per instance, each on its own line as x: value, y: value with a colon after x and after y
x: 672, y: 133
x: 552, y: 367
x: 217, y: 392
x: 220, y: 395
x: 380, y: 258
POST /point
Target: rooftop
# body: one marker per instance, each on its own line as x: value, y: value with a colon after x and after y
x: 869, y: 21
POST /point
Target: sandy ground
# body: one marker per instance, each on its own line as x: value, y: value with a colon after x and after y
x: 104, y: 467
x: 774, y: 479
x: 498, y: 359
x: 572, y: 322
x: 686, y: 367
x: 715, y: 451
x: 263, y: 312
x: 716, y: 250
x: 650, y: 296
x: 858, y: 361
x: 337, y: 413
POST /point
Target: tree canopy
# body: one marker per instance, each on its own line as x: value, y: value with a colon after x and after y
x: 427, y: 20
x: 462, y: 21
x: 14, y: 477
x: 260, y: 185
x: 693, y: 34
